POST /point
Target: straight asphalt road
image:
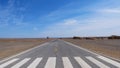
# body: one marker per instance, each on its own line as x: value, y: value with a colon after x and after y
x: 58, y: 54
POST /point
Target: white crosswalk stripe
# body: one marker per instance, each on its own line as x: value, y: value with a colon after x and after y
x: 110, y: 61
x: 82, y: 62
x: 66, y: 62
x: 7, y: 63
x: 35, y: 63
x: 18, y: 65
x: 98, y: 63
x: 51, y: 62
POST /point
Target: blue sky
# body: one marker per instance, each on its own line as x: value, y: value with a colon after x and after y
x: 59, y: 18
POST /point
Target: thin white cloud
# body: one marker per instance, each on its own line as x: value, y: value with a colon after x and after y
x: 65, y: 11
x: 35, y: 28
x: 109, y: 10
x: 70, y: 22
x: 8, y: 14
x: 98, y: 24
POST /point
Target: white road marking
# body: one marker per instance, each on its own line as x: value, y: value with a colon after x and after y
x: 7, y: 63
x: 51, y: 62
x: 35, y: 63
x: 82, y: 62
x: 66, y: 62
x: 98, y: 63
x: 110, y: 61
x: 18, y: 65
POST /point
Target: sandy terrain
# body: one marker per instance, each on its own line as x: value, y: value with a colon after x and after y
x: 10, y: 47
x: 105, y: 47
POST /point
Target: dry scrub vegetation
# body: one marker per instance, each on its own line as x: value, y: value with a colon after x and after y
x: 107, y: 47
x: 10, y: 47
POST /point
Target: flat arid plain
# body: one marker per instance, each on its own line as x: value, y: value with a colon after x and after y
x: 9, y: 47
x: 109, y: 48
x: 59, y: 53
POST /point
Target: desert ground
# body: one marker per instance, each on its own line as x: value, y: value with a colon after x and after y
x: 9, y: 47
x: 109, y: 48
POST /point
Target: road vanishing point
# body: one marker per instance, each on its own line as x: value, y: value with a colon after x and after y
x: 58, y: 54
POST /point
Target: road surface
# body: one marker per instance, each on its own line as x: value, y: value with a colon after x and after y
x: 58, y: 54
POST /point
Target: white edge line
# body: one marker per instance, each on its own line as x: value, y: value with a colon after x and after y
x: 81, y: 48
x: 5, y: 59
x: 90, y: 51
